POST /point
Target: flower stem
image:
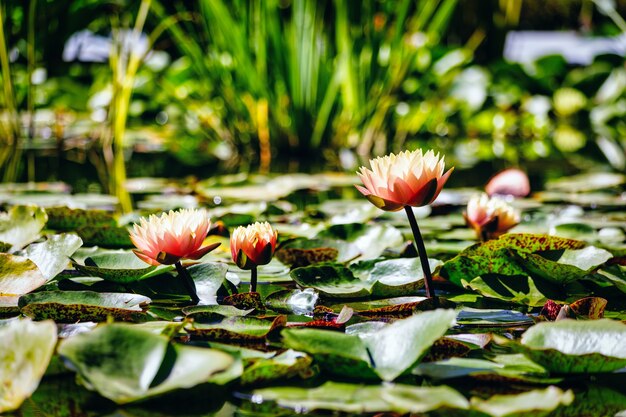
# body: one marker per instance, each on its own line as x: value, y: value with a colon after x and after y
x: 421, y: 250
x: 253, y: 279
x: 189, y: 284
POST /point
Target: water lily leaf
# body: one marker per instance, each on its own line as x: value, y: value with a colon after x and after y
x: 331, y: 280
x: 208, y: 277
x: 5, y: 247
x: 25, y: 352
x: 286, y: 365
x: 52, y: 256
x: 384, y: 350
x: 509, y: 368
x: 68, y: 219
x: 105, y: 236
x: 299, y: 302
x: 516, y: 289
x: 303, y: 252
x: 371, y: 240
x: 73, y: 306
x: 124, y: 363
x: 531, y: 402
x: 570, y: 346
x: 566, y: 266
x: 21, y: 225
x: 18, y: 275
x: 381, y: 278
x: 492, y: 318
x: 243, y: 329
x: 391, y: 356
x: 214, y: 312
x: 123, y: 267
x: 358, y: 398
x: 499, y: 256
x: 586, y: 182
x: 245, y: 301
x: 394, y: 307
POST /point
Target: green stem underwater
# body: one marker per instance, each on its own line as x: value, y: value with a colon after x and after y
x: 188, y: 281
x: 253, y: 279
x: 421, y: 250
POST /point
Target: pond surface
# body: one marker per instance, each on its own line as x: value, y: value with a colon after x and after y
x: 320, y: 337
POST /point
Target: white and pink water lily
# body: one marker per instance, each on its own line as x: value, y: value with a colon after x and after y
x: 253, y: 245
x: 170, y: 237
x: 490, y: 217
x: 410, y: 178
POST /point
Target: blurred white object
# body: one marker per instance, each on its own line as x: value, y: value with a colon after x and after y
x: 526, y: 47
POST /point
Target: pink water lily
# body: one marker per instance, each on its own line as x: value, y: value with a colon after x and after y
x: 411, y: 178
x: 490, y: 217
x: 170, y: 237
x: 252, y: 246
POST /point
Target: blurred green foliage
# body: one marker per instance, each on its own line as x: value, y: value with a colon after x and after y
x: 250, y: 83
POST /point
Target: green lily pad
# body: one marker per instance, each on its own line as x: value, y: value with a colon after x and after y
x: 304, y: 252
x: 381, y: 351
x: 358, y: 398
x: 105, y: 236
x: 52, y: 256
x: 520, y: 289
x: 73, y: 306
x: 22, y: 225
x: 214, y: 312
x: 396, y: 307
x: 530, y: 403
x: 570, y: 346
x: 371, y: 240
x: 586, y: 182
x: 242, y: 329
x: 286, y: 365
x: 492, y: 318
x: 68, y: 219
x: 25, y: 352
x: 300, y: 302
x: 510, y: 368
x: 18, y: 275
x: 381, y: 278
x: 124, y: 363
x: 566, y: 266
x: 499, y: 256
x: 123, y: 267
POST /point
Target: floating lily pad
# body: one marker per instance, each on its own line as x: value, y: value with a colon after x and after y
x: 492, y: 318
x: 570, y: 346
x: 529, y: 403
x: 286, y: 365
x: 386, y: 352
x: 586, y: 182
x: 304, y: 252
x: 358, y: 398
x: 386, y: 278
x: 105, y: 236
x: 394, y: 307
x: 22, y: 225
x: 52, y: 256
x: 124, y: 363
x: 371, y: 240
x: 565, y: 266
x: 65, y: 218
x: 214, y: 312
x: 73, y: 306
x: 242, y: 329
x: 25, y: 352
x: 300, y: 302
x: 18, y: 275
x: 506, y: 368
x: 123, y: 267
x: 499, y: 256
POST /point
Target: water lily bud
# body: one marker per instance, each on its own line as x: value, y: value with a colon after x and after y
x: 490, y: 217
x: 170, y: 237
x: 511, y: 181
x: 411, y: 178
x: 253, y: 245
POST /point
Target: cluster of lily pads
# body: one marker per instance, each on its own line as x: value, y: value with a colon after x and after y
x: 525, y: 323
